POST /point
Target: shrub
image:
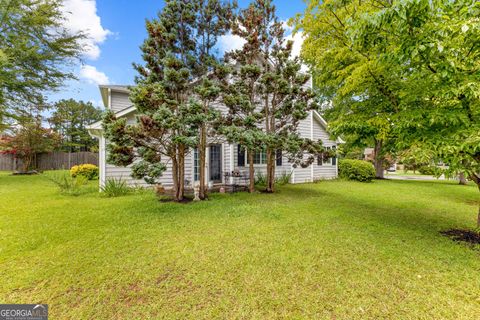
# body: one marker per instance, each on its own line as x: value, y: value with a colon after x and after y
x: 430, y: 170
x: 67, y: 184
x: 89, y: 171
x: 260, y: 179
x: 115, y: 188
x: 284, y: 178
x: 358, y: 170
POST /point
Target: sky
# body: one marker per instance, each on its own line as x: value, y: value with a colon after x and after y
x: 116, y: 29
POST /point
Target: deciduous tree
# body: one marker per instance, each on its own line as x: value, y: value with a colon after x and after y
x: 35, y: 52
x: 360, y: 89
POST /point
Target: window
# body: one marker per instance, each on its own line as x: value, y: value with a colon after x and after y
x: 196, y: 165
x: 260, y: 157
x: 329, y: 160
x: 334, y: 159
x: 319, y: 159
x: 279, y: 157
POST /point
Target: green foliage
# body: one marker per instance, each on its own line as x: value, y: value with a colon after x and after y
x: 89, y: 171
x: 35, y: 55
x: 27, y: 139
x: 358, y: 170
x: 67, y: 184
x: 358, y: 89
x: 430, y: 170
x: 115, y: 188
x: 268, y: 95
x: 260, y: 179
x: 70, y: 119
x: 284, y: 178
x: 179, y: 68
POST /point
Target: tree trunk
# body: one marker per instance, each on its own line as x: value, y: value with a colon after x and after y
x: 181, y: 172
x: 175, y: 176
x: 251, y: 187
x: 378, y: 159
x: 270, y: 171
x: 202, y: 151
x: 462, y: 179
x: 476, y: 178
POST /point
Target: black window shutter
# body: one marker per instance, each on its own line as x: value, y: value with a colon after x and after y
x: 240, y: 156
x: 320, y: 159
x: 334, y: 159
x: 279, y: 157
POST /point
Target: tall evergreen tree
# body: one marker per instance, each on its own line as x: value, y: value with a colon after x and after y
x: 162, y: 133
x: 269, y: 96
x: 70, y: 119
x: 213, y: 20
x: 174, y: 91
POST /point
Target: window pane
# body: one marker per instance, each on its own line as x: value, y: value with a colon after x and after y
x: 196, y: 165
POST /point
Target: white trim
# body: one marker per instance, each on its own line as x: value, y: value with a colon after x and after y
x: 98, y: 125
x: 109, y: 98
x: 102, y: 162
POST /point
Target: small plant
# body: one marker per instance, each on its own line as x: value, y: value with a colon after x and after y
x: 260, y: 179
x: 358, y: 170
x: 115, y: 188
x: 284, y: 178
x: 89, y: 171
x: 67, y: 184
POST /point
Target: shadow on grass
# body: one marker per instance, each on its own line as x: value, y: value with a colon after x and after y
x: 407, y: 215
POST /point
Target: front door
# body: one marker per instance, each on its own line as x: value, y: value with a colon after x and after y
x: 215, y: 163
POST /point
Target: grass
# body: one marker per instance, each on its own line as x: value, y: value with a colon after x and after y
x: 331, y: 250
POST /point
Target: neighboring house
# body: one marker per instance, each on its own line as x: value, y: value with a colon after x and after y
x: 222, y: 157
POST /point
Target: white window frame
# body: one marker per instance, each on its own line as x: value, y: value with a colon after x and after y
x: 262, y: 163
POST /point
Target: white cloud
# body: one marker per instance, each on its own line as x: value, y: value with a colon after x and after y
x: 93, y: 76
x: 230, y: 42
x: 287, y: 27
x: 81, y: 15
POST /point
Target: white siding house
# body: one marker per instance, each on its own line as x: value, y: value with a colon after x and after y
x: 222, y: 156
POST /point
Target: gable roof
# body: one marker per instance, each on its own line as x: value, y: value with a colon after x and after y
x: 95, y: 128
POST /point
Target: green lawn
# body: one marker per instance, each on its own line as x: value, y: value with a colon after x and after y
x: 331, y: 250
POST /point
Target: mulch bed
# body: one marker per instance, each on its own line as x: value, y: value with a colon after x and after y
x: 172, y: 200
x: 27, y: 173
x: 459, y: 235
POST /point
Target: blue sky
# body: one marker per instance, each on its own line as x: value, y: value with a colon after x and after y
x: 117, y: 29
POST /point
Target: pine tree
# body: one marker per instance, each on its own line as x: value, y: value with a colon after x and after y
x: 214, y: 19
x: 174, y: 91
x: 164, y: 131
x: 269, y: 96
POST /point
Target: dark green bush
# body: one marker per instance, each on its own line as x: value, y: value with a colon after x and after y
x: 430, y: 170
x: 358, y: 170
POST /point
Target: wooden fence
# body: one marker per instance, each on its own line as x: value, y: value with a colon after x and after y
x: 50, y: 161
